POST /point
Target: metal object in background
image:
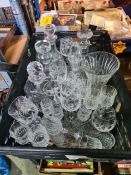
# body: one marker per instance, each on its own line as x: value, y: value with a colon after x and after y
x: 19, y: 16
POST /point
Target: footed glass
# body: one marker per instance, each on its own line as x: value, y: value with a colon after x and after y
x: 67, y: 88
x: 58, y: 139
x: 89, y: 129
x: 69, y: 141
x: 85, y: 34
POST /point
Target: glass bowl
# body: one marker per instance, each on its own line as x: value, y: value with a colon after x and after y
x: 100, y: 66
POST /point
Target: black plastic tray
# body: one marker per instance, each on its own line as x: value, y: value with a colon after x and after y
x: 122, y: 131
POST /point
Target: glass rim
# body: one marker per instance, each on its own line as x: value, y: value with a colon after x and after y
x: 39, y: 50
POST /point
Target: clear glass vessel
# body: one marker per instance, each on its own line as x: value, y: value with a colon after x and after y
x: 58, y: 110
x: 47, y: 107
x: 65, y: 46
x: 108, y: 94
x: 85, y: 43
x: 92, y: 98
x: 36, y: 72
x: 100, y: 66
x: 53, y: 125
x: 33, y: 93
x: 84, y: 114
x: 49, y: 87
x: 58, y: 70
x: 104, y: 119
x: 43, y: 48
x: 37, y: 134
x: 19, y: 133
x: 90, y: 143
x: 107, y: 140
x: 23, y: 110
x: 75, y: 56
x: 70, y: 103
x: 49, y: 31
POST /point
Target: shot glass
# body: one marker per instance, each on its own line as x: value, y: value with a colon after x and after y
x: 108, y: 94
x: 19, y: 133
